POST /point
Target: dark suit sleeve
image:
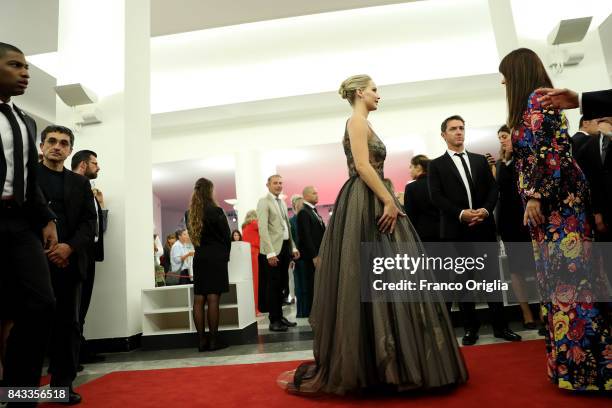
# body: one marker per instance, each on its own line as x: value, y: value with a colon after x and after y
x: 40, y: 209
x: 597, y: 104
x: 104, y: 217
x: 409, y: 202
x: 587, y: 157
x: 226, y: 234
x: 86, y: 226
x: 436, y: 194
x: 490, y: 185
x: 307, y: 247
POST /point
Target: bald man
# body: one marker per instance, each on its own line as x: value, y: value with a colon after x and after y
x: 310, y: 234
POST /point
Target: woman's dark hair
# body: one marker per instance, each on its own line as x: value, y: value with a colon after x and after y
x: 523, y: 72
x: 420, y: 160
x: 239, y: 234
x: 202, y: 197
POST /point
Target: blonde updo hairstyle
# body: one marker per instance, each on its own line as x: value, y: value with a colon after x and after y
x: 350, y: 86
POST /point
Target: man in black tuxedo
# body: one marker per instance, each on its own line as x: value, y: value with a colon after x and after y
x: 587, y: 128
x: 595, y: 160
x: 23, y: 215
x: 70, y: 197
x: 462, y: 186
x: 596, y: 104
x: 85, y: 163
x: 310, y: 234
x: 424, y: 216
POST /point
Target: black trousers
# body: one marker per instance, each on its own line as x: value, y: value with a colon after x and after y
x: 276, y: 278
x: 467, y: 248
x: 25, y: 273
x: 65, y: 340
x: 86, y: 293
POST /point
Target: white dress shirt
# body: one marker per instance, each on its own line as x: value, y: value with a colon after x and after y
x: 459, y: 166
x: 178, y: 250
x: 6, y: 133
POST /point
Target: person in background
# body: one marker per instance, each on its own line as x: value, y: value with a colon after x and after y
x: 556, y: 197
x: 587, y: 128
x: 211, y: 237
x: 165, y: 259
x: 236, y: 235
x: 311, y: 229
x: 180, y: 255
x: 425, y: 217
x: 510, y: 225
x: 250, y: 231
x: 277, y: 245
x: 299, y: 277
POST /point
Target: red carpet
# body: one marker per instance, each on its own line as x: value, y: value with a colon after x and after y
x: 501, y: 375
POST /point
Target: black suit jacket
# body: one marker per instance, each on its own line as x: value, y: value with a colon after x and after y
x: 597, y: 104
x: 425, y: 216
x: 448, y: 193
x: 509, y: 212
x: 80, y: 218
x: 310, y: 233
x: 599, y: 175
x: 578, y: 140
x: 35, y: 204
x: 97, y: 249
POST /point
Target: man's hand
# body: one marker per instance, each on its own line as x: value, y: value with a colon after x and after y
x: 60, y: 254
x: 296, y: 255
x: 600, y: 225
x: 481, y: 215
x: 468, y: 216
x: 533, y: 213
x: 273, y: 261
x: 558, y: 98
x: 99, y: 196
x: 49, y: 235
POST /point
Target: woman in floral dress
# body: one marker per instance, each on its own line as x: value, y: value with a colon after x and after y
x: 555, y: 194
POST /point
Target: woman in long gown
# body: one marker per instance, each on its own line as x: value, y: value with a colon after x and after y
x: 555, y: 194
x: 361, y: 345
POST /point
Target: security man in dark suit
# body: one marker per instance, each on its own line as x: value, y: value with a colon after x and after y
x: 424, y: 216
x: 310, y: 234
x: 69, y: 196
x: 462, y: 186
x: 23, y: 215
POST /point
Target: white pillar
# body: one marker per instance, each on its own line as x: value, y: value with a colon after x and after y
x: 105, y: 46
x: 502, y: 21
x: 252, y: 171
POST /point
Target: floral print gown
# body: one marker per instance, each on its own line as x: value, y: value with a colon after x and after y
x: 578, y: 339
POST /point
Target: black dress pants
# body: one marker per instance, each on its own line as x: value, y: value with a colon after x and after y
x: 86, y: 293
x: 25, y: 267
x: 276, y: 277
x: 66, y: 331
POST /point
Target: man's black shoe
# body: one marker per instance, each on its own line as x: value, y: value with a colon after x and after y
x: 287, y: 322
x: 277, y: 327
x: 469, y: 338
x: 507, y: 334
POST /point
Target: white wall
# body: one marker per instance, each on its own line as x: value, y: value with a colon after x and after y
x: 397, y: 121
x: 170, y: 219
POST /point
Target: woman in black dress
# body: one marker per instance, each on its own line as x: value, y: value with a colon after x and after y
x: 210, y: 235
x: 510, y: 214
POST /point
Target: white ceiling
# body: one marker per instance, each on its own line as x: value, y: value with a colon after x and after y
x: 311, y: 54
x: 179, y: 16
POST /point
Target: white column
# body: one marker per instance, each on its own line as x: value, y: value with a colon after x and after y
x: 502, y: 21
x: 105, y: 46
x: 252, y: 171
